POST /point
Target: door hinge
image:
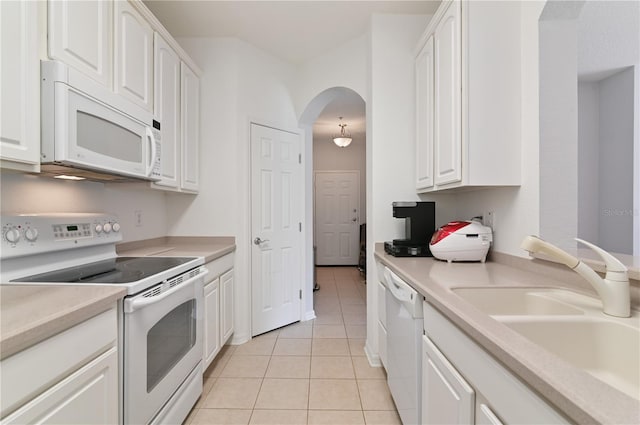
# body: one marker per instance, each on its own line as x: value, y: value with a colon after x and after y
x: 299, y: 158
x: 300, y: 293
x: 300, y: 227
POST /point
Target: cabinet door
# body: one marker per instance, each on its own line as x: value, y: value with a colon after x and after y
x: 424, y: 116
x: 190, y: 124
x: 484, y: 414
x: 166, y: 100
x: 446, y: 396
x: 212, y: 341
x: 226, y: 305
x: 133, y: 62
x: 448, y: 97
x: 79, y: 34
x: 19, y: 83
x: 88, y: 396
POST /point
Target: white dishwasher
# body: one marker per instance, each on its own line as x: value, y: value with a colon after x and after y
x: 404, y: 344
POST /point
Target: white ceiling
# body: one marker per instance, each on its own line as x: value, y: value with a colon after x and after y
x: 293, y: 31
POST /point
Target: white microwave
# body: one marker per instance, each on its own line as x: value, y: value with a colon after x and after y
x: 85, y: 126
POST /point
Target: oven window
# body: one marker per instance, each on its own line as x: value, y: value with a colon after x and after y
x: 169, y: 340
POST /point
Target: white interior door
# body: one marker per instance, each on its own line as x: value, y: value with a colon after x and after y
x: 337, y: 224
x: 276, y: 248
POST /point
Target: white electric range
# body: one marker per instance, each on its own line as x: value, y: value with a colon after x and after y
x: 160, y: 326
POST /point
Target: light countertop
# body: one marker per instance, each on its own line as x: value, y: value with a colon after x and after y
x: 32, y: 313
x: 210, y: 248
x: 580, y: 396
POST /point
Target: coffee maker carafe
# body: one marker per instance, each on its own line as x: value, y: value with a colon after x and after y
x: 420, y: 219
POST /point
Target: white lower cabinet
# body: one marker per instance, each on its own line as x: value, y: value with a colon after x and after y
x: 463, y: 384
x: 484, y: 414
x: 212, y: 340
x: 226, y: 305
x: 69, y: 378
x: 446, y: 397
x: 218, y: 307
x: 88, y: 396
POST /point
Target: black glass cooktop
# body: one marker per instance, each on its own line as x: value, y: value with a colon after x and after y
x: 116, y: 270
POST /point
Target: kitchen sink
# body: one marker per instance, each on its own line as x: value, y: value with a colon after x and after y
x: 607, y: 349
x: 505, y: 301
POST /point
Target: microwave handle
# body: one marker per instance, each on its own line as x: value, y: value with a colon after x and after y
x: 137, y: 303
x: 152, y: 142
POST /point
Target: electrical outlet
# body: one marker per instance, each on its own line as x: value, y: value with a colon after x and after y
x: 137, y: 218
x: 489, y: 219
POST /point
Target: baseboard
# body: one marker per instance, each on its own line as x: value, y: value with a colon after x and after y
x: 309, y: 315
x: 373, y: 358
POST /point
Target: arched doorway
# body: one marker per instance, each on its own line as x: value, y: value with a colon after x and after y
x: 319, y: 122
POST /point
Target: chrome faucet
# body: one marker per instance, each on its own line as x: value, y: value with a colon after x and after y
x: 613, y: 289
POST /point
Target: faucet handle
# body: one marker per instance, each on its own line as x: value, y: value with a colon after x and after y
x: 615, y: 269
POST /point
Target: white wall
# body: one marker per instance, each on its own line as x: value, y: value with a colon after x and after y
x: 390, y: 140
x: 240, y: 84
x: 23, y: 193
x: 616, y: 162
x: 558, y: 132
x: 319, y: 81
x: 517, y: 210
x: 344, y: 66
x: 588, y: 163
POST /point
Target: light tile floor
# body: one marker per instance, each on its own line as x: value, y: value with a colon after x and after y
x: 311, y: 372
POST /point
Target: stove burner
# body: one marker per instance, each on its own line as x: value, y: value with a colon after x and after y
x: 118, y: 270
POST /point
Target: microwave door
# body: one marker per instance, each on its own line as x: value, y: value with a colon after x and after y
x: 100, y: 137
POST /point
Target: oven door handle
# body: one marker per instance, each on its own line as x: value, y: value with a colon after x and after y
x: 136, y: 303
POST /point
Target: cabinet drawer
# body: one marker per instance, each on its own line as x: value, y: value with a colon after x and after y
x: 88, y: 396
x: 30, y: 372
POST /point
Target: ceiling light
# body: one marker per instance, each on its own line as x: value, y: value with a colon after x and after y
x: 65, y: 177
x: 344, y: 139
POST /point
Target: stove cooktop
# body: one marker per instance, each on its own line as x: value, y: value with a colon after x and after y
x: 117, y: 270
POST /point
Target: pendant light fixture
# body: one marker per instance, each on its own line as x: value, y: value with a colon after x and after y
x: 344, y: 139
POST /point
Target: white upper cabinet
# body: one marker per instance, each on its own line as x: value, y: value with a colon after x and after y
x: 133, y: 64
x: 424, y: 116
x: 448, y: 114
x: 20, y: 86
x: 468, y: 125
x: 80, y: 34
x: 190, y: 114
x: 166, y: 109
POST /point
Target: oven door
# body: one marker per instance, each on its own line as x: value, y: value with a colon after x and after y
x: 162, y: 344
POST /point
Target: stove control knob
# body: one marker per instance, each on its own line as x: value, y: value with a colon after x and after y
x: 98, y: 228
x: 31, y: 234
x: 106, y: 227
x: 12, y: 235
x: 116, y: 227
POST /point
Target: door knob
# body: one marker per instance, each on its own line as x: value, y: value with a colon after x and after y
x: 258, y: 241
x: 354, y: 219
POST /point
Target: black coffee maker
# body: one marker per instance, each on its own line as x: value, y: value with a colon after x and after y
x: 420, y: 224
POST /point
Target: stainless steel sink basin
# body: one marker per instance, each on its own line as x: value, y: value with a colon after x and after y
x: 523, y: 301
x: 607, y: 349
